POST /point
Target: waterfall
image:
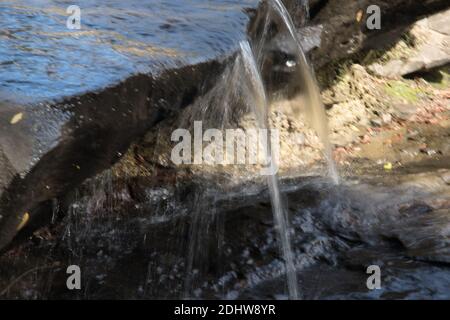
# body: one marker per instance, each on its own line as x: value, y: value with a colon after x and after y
x: 243, y: 81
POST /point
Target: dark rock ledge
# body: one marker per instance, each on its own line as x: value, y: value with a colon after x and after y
x: 72, y: 101
x: 343, y: 34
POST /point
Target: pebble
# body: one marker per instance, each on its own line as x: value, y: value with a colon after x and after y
x: 376, y: 122
x: 446, y: 177
x: 387, y: 118
x: 427, y: 151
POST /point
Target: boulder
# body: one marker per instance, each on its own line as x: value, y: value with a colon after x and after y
x: 72, y: 101
x: 432, y: 49
x: 345, y: 30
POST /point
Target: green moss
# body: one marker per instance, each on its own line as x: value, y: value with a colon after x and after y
x: 407, y: 91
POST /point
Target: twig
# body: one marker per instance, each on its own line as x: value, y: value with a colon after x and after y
x: 6, y: 290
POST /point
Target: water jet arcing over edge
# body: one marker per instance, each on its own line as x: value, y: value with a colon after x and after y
x: 260, y: 108
x: 315, y: 114
x: 315, y: 110
x: 250, y: 87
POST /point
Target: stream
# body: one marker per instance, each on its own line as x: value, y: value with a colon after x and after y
x: 337, y: 233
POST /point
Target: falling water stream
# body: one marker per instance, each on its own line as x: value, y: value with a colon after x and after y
x: 280, y: 217
x: 314, y: 107
x: 244, y: 81
x: 316, y: 115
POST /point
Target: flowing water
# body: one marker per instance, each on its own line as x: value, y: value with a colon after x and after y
x: 313, y: 105
x: 280, y: 216
x: 253, y: 93
x: 317, y: 117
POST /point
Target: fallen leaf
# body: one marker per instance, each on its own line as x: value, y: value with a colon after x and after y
x: 388, y: 166
x: 24, y: 221
x: 359, y: 15
x: 17, y: 117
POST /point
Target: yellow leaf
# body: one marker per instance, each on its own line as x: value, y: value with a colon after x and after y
x: 17, y: 117
x: 359, y: 15
x: 388, y: 166
x: 24, y: 221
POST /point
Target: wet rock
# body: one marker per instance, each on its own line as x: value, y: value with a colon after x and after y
x: 427, y: 237
x: 103, y: 87
x: 416, y: 208
x: 72, y: 101
x: 310, y: 37
x: 344, y: 34
x: 299, y: 10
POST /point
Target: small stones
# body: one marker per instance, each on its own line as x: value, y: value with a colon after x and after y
x: 428, y: 151
x: 365, y: 139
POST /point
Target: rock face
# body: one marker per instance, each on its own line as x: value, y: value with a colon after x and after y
x: 71, y: 101
x: 432, y: 49
x: 345, y: 30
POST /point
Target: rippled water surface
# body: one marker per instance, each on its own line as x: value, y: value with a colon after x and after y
x: 41, y: 58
